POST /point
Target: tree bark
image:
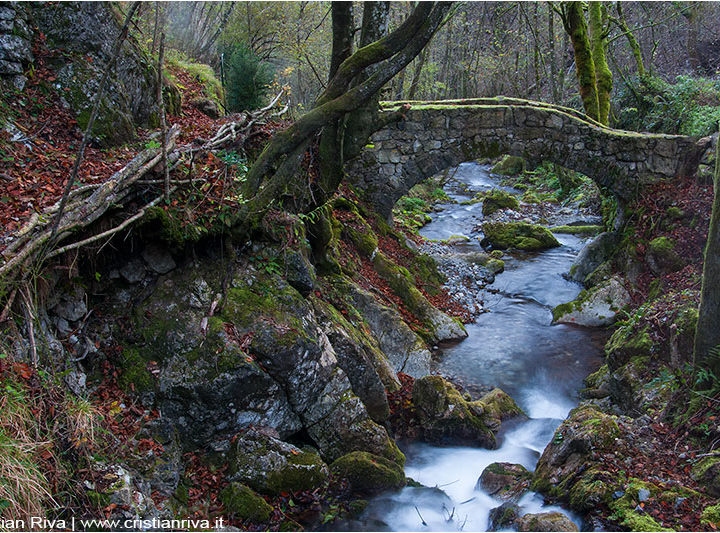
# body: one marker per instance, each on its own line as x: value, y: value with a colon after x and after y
x: 576, y: 27
x: 632, y: 41
x: 342, y: 22
x: 707, y: 333
x: 598, y: 37
x: 419, y: 64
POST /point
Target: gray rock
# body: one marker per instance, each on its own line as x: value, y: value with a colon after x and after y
x: 71, y: 307
x: 545, y: 522
x: 14, y: 48
x: 158, y: 259
x: 592, y: 256
x: 133, y: 271
x: 76, y: 381
x: 271, y: 466
x: 206, y: 106
x: 599, y: 307
x: 405, y: 351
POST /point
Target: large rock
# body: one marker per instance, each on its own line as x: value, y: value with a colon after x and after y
x: 503, y: 517
x: 545, y: 522
x: 594, y: 254
x: 498, y: 199
x: 506, y: 481
x: 598, y: 306
x: 445, y: 417
x: 368, y: 473
x: 271, y: 466
x: 87, y: 32
x: 519, y: 235
x: 240, y: 501
x: 358, y: 358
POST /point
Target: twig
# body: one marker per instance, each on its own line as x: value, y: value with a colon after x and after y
x: 93, y: 115
x: 422, y: 520
x: 6, y: 310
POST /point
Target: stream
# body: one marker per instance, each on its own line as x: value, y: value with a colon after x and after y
x: 515, y: 347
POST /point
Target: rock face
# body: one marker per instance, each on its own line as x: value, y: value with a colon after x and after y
x: 89, y: 29
x: 263, y: 361
x: 447, y: 418
x: 596, y: 307
x: 271, y: 466
x: 435, y: 136
x: 531, y: 237
x: 15, y: 44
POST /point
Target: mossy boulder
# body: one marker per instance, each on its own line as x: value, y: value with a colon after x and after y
x: 241, y: 501
x: 595, y: 307
x: 585, y: 431
x: 594, y: 254
x: 545, y: 522
x: 368, y: 473
x: 271, y: 466
x: 707, y: 473
x: 711, y: 516
x: 506, y: 481
x: 626, y: 343
x: 496, y: 266
x: 498, y: 199
x: 519, y: 235
x: 498, y: 405
x: 662, y: 257
x: 446, y: 418
x: 626, y: 509
x: 509, y: 165
x: 503, y: 517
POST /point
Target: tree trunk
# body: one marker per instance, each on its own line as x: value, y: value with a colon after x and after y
x: 707, y: 334
x: 598, y: 37
x: 632, y: 41
x: 553, y: 56
x: 419, y: 64
x: 576, y: 27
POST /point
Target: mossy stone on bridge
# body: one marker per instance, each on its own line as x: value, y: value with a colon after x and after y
x: 439, y: 135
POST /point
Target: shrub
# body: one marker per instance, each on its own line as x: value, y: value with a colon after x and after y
x: 247, y: 78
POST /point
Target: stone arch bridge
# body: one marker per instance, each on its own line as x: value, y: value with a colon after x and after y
x: 435, y: 136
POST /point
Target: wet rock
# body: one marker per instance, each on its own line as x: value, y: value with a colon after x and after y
x: 271, y: 466
x: 519, y: 235
x: 447, y: 418
x: 545, y: 522
x: 503, y: 517
x: 245, y: 504
x: 586, y: 431
x: 368, y: 473
x: 593, y: 255
x: 158, y: 259
x: 596, y: 307
x: 505, y: 481
x: 498, y: 199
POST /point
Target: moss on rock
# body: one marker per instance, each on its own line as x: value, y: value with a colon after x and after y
x: 531, y: 237
x: 244, y: 503
x: 368, y: 473
x: 577, y: 230
x: 498, y: 199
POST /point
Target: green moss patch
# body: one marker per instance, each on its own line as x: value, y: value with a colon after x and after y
x: 244, y: 503
x: 369, y: 473
x: 519, y: 235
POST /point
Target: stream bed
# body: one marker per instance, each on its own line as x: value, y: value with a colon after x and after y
x: 513, y: 346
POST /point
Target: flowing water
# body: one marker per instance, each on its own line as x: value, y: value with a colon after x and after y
x: 514, y: 347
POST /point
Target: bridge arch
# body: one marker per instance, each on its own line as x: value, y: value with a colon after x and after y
x: 435, y: 136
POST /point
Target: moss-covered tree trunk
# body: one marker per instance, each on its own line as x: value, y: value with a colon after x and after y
x: 597, y: 12
x: 577, y: 29
x: 707, y: 334
x: 632, y: 41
